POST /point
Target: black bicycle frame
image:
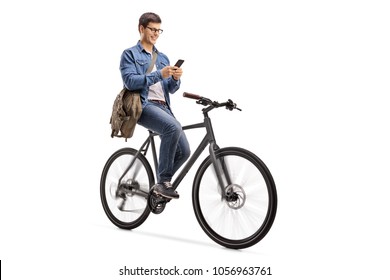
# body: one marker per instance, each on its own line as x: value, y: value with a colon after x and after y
x: 209, y: 139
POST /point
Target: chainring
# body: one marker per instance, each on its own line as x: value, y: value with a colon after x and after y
x: 156, y: 203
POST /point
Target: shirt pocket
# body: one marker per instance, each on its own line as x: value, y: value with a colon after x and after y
x: 141, y: 62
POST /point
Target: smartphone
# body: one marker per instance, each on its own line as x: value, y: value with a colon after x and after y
x: 179, y: 63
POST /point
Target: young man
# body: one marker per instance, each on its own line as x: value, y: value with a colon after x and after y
x: 155, y: 88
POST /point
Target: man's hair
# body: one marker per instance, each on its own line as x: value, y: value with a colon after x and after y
x: 148, y: 17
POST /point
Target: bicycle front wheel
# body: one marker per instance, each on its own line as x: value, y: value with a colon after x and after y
x: 124, y: 188
x: 241, y: 214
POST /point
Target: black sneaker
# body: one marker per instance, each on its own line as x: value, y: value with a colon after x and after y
x: 166, y: 190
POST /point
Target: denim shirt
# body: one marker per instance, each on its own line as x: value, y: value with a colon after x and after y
x: 133, y: 66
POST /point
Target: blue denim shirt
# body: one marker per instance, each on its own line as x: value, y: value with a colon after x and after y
x: 133, y: 66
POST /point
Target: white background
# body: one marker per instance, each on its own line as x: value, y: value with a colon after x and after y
x: 312, y: 78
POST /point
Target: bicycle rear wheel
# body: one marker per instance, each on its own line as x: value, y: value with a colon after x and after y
x: 242, y: 215
x: 125, y: 202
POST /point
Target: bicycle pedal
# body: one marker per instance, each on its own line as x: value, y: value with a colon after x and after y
x: 161, y: 197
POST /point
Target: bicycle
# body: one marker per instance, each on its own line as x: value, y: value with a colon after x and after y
x: 234, y: 195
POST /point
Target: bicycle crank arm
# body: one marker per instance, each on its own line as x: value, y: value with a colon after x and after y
x: 140, y: 193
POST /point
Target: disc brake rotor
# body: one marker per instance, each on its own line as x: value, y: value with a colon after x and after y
x: 235, y: 196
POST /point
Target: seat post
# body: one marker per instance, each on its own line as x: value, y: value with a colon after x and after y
x: 154, y: 153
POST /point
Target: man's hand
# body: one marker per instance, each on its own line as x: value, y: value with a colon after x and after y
x: 173, y: 71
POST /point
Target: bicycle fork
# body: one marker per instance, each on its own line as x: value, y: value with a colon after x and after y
x: 220, y: 169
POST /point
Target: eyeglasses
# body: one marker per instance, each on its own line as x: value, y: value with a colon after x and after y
x: 154, y: 30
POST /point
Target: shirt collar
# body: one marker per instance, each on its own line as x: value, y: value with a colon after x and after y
x: 141, y: 48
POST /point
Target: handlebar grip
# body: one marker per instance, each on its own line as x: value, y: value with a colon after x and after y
x: 192, y: 96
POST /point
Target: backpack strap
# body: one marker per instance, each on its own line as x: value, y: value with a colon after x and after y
x: 154, y: 57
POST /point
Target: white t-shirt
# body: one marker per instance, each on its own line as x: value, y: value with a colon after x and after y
x: 156, y: 91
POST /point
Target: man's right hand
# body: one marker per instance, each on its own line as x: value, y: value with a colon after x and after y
x: 168, y: 71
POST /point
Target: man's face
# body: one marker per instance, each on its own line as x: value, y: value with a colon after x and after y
x: 150, y: 33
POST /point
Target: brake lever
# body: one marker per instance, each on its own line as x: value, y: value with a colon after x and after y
x: 200, y: 102
x: 204, y: 101
x: 231, y: 105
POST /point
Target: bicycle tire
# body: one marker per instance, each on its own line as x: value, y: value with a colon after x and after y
x: 254, y: 204
x: 126, y: 206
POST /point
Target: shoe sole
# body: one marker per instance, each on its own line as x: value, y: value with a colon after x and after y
x: 164, y: 195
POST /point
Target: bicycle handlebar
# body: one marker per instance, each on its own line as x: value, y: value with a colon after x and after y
x: 230, y: 105
x: 191, y: 95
